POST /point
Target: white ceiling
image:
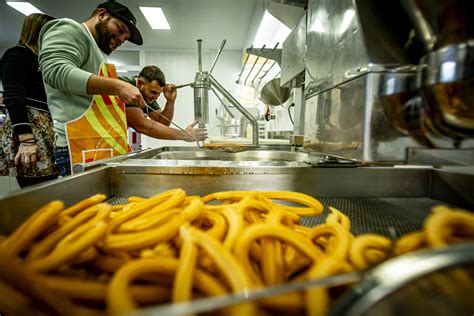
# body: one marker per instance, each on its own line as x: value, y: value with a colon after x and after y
x: 210, y: 20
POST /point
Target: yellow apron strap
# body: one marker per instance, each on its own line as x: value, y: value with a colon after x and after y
x: 101, y: 131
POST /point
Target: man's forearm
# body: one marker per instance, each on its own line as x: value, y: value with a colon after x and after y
x: 158, y: 130
x: 102, y: 85
x: 167, y: 112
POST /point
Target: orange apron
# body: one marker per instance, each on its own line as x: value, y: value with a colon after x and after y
x: 101, y: 131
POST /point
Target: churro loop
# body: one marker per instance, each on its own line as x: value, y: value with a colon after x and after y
x: 39, y: 222
x: 14, y: 302
x: 272, y: 261
x: 226, y: 263
x: 447, y: 225
x: 119, y: 299
x: 285, y: 304
x: 339, y: 239
x: 337, y: 217
x: 49, y: 242
x: 15, y: 273
x: 257, y: 231
x: 147, y: 220
x: 216, y: 221
x: 135, y: 199
x: 235, y: 225
x: 150, y: 237
x: 317, y: 299
x: 82, y: 205
x: 182, y: 285
x: 77, y: 288
x: 409, y: 242
x: 367, y: 243
x: 74, y: 243
x: 141, y: 207
x: 313, y: 206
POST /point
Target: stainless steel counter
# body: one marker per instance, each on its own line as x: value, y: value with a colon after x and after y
x: 345, y: 186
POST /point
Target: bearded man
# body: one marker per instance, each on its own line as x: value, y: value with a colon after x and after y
x: 85, y: 97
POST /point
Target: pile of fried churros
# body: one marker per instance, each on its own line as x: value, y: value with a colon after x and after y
x: 94, y: 258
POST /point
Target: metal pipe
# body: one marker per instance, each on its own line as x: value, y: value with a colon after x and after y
x: 243, y: 67
x: 239, y: 107
x: 259, y: 71
x: 253, y: 66
x: 271, y: 66
x: 420, y: 23
x: 217, y: 56
x: 199, y: 55
x: 223, y: 104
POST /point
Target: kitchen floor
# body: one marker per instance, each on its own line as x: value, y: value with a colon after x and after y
x: 7, y: 185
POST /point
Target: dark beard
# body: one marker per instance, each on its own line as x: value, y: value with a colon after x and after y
x: 104, y: 36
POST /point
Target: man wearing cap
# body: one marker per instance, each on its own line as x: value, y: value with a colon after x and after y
x: 84, y: 95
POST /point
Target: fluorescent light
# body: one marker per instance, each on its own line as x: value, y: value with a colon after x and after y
x: 346, y: 20
x: 270, y: 32
x: 156, y: 18
x: 24, y: 7
x: 121, y: 70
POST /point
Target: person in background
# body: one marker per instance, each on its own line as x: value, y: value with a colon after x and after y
x: 3, y: 165
x: 84, y: 94
x: 151, y: 82
x: 28, y: 136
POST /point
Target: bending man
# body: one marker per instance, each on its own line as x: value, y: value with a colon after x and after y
x: 151, y: 83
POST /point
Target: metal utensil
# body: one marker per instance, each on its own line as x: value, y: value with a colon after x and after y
x: 174, y: 124
x: 182, y: 85
x: 228, y: 148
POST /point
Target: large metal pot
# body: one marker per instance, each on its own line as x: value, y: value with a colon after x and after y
x: 273, y: 94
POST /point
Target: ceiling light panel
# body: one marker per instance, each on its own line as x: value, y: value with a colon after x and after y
x: 24, y: 7
x: 156, y: 18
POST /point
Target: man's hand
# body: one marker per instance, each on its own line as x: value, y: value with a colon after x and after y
x: 169, y: 91
x: 199, y: 133
x: 130, y: 94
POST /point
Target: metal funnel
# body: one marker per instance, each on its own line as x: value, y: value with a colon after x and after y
x: 273, y: 94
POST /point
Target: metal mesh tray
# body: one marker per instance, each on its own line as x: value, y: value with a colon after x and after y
x: 392, y: 217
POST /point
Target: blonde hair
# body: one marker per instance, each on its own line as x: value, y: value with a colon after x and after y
x: 31, y: 28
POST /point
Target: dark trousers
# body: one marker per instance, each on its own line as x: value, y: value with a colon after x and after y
x: 27, y: 181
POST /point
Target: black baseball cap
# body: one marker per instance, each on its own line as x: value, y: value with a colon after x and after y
x: 121, y: 12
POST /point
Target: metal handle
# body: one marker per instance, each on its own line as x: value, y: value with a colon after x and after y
x: 217, y: 56
x: 253, y: 66
x: 243, y: 66
x: 199, y: 55
x: 261, y: 68
x: 182, y: 85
